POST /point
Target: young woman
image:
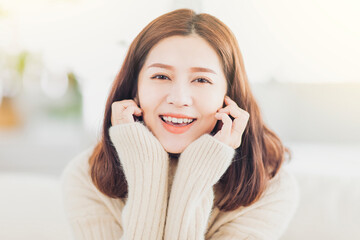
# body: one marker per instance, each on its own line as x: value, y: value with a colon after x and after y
x: 184, y: 152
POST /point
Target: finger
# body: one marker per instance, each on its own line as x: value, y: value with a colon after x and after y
x: 240, y: 123
x: 122, y: 105
x: 118, y: 107
x: 234, y: 111
x: 128, y: 114
x: 229, y: 101
x: 227, y: 123
x: 137, y: 111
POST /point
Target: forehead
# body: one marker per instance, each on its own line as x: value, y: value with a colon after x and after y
x: 184, y: 52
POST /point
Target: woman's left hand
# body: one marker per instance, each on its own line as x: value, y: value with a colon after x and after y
x: 231, y: 131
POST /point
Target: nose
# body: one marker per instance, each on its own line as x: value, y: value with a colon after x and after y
x: 179, y: 95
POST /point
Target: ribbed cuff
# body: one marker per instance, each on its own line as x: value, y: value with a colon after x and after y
x: 206, y: 157
x: 145, y: 164
x: 200, y: 166
x: 135, y: 141
x: 95, y: 227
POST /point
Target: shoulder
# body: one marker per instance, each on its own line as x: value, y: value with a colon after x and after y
x: 278, y: 202
x: 283, y: 185
x: 268, y: 217
x: 80, y: 195
x: 281, y: 194
x: 77, y: 186
x: 280, y: 198
x: 78, y: 168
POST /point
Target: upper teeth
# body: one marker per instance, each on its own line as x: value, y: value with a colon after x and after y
x: 177, y: 120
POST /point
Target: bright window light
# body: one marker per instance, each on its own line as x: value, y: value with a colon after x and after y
x: 296, y: 40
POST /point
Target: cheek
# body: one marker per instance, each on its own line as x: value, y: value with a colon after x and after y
x: 149, y: 98
x: 210, y: 102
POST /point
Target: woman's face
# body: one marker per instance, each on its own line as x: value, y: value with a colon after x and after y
x: 180, y: 87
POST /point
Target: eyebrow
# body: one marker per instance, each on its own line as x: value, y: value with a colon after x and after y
x: 193, y: 69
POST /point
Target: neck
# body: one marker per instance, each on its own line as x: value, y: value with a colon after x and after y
x: 174, y: 155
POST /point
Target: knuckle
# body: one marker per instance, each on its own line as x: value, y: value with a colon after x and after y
x: 130, y: 108
x: 130, y: 102
x: 116, y: 105
x: 113, y: 105
x: 246, y: 113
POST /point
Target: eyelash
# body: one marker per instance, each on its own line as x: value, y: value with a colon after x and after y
x: 205, y: 80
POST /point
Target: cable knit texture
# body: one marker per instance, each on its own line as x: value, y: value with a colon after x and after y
x: 171, y: 198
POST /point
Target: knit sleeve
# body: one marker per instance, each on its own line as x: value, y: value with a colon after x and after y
x: 89, y: 217
x: 265, y: 219
x: 141, y: 215
x: 200, y: 166
x: 145, y: 165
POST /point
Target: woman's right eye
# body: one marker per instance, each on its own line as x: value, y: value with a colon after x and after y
x: 159, y: 77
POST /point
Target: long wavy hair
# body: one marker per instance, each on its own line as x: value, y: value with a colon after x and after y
x: 256, y: 160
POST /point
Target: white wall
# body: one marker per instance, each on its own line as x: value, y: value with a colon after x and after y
x: 328, y: 113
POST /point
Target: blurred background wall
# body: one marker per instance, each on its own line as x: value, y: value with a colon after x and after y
x: 59, y: 57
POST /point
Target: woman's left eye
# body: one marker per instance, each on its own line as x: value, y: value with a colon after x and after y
x: 159, y: 77
x: 202, y: 80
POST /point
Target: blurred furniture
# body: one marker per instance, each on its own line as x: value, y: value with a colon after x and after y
x: 329, y: 182
x: 42, y: 145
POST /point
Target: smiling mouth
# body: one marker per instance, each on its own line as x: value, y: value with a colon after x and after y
x: 177, y: 122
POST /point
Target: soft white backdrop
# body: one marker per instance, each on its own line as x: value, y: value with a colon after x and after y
x: 302, y: 60
x: 286, y: 41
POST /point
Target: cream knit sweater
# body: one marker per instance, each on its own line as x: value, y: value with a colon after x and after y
x: 169, y: 198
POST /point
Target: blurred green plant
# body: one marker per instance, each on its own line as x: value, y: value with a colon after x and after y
x: 12, y: 68
x: 67, y: 106
x: 70, y: 105
x: 20, y: 63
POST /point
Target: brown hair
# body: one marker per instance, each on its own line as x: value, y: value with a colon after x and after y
x: 261, y: 152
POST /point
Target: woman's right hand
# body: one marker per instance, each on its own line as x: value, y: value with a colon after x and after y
x: 123, y: 111
x: 127, y: 137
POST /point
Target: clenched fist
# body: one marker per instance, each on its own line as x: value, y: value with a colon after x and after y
x: 123, y: 111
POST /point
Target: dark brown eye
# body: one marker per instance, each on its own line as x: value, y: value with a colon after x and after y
x: 159, y: 77
x: 202, y: 80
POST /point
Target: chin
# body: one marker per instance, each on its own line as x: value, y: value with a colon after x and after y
x: 174, y: 147
x: 174, y: 150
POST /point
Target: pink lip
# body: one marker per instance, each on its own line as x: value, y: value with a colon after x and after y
x: 176, y: 129
x: 176, y: 115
